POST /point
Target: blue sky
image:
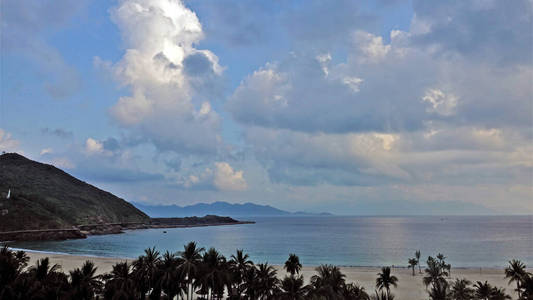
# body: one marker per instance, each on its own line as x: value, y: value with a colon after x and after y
x: 370, y: 107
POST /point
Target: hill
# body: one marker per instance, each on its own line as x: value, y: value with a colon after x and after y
x: 45, y: 197
x: 216, y: 208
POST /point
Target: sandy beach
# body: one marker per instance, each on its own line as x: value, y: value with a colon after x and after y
x: 409, y: 288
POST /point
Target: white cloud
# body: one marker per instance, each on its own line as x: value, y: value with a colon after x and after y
x: 169, y: 79
x: 93, y: 146
x: 7, y: 143
x: 202, y: 180
x: 404, y: 112
x: 228, y: 179
x: 441, y: 103
x: 46, y: 151
x: 222, y: 177
x: 371, y: 46
x: 63, y: 163
x: 353, y: 83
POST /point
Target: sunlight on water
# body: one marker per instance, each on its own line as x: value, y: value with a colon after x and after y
x: 356, y: 241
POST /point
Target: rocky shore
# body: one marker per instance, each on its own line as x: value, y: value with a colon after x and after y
x: 82, y: 231
x: 42, y: 235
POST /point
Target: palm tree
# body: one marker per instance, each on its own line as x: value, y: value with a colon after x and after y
x: 328, y: 282
x: 293, y: 265
x: 214, y: 272
x: 461, y: 290
x: 84, y: 282
x: 48, y: 281
x: 417, y: 255
x: 527, y: 287
x: 385, y: 280
x: 444, y: 266
x: 42, y: 269
x: 267, y: 281
x: 483, y: 290
x: 382, y: 296
x: 250, y: 282
x: 434, y: 272
x: 171, y: 279
x: 439, y: 290
x: 11, y: 265
x: 120, y: 283
x: 146, y: 272
x: 239, y: 264
x: 499, y: 294
x: 354, y: 292
x: 516, y: 272
x: 293, y: 288
x: 190, y: 259
x: 412, y: 264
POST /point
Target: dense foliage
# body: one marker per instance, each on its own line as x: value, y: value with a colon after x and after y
x: 196, y: 273
x: 68, y: 201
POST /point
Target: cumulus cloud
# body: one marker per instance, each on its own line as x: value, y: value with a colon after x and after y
x: 435, y: 111
x: 220, y: 177
x: 228, y: 179
x: 169, y: 79
x: 392, y: 94
x: 441, y: 103
x: 462, y: 156
x: 93, y: 146
x: 371, y: 47
x: 404, y: 111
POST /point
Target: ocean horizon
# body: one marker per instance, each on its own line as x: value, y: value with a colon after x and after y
x: 365, y: 241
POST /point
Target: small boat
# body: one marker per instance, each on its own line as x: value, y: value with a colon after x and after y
x: 164, y: 232
x: 8, y: 194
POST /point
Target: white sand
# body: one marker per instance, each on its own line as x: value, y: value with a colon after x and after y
x: 409, y: 287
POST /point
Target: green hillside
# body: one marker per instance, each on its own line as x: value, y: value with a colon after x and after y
x: 44, y: 197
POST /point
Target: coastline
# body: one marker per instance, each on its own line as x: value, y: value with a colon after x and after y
x: 409, y: 287
x: 82, y: 231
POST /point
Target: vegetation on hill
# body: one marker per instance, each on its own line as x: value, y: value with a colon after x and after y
x: 45, y: 197
x: 196, y: 273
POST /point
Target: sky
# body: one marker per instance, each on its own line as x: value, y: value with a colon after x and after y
x: 350, y: 107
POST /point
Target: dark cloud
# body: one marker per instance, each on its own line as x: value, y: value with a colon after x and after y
x: 173, y: 164
x: 238, y: 23
x: 197, y: 64
x: 111, y: 144
x: 294, y: 173
x: 490, y: 31
x: 62, y: 133
x: 324, y: 24
x: 297, y: 95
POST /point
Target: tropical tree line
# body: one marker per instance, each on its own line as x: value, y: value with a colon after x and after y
x: 440, y: 286
x: 197, y: 273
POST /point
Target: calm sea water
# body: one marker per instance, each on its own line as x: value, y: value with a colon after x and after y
x: 352, y: 241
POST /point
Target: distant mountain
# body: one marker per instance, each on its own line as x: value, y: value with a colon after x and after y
x: 44, y: 197
x: 217, y: 208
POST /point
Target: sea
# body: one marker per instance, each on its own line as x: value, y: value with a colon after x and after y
x: 466, y: 241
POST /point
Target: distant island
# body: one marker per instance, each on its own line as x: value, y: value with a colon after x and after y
x: 218, y: 208
x: 41, y: 202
